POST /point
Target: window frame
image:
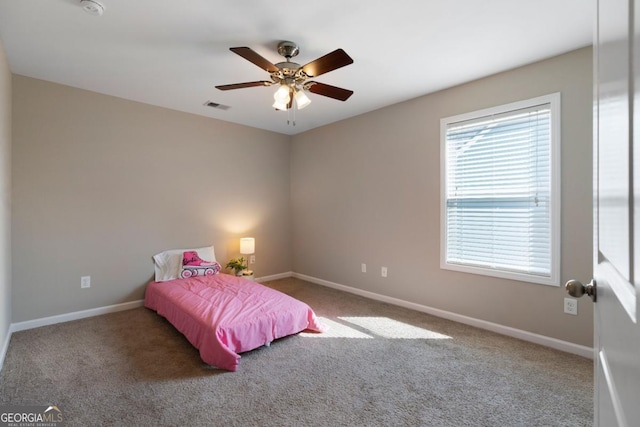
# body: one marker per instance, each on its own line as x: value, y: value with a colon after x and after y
x: 555, y: 197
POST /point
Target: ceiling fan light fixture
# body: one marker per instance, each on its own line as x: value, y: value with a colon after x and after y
x: 302, y: 100
x: 291, y: 78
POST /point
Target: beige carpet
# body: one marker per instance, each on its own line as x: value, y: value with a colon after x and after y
x: 379, y: 365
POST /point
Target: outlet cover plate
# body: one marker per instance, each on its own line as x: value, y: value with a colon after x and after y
x: 85, y: 282
x: 571, y: 306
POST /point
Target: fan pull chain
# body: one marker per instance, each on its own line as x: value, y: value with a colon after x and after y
x: 294, y: 112
x: 291, y: 121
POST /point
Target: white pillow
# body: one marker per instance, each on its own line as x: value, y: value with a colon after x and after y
x: 168, y: 264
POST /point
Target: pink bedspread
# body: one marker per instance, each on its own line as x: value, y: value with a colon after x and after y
x: 223, y: 315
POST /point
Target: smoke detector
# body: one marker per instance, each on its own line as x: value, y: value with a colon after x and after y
x: 92, y: 7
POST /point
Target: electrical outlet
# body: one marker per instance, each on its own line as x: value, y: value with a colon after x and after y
x: 383, y: 271
x: 85, y: 282
x: 252, y: 259
x: 571, y: 306
x: 364, y: 267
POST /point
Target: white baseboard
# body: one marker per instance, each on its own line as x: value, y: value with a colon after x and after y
x: 274, y: 277
x: 482, y: 324
x: 557, y: 344
x: 52, y: 320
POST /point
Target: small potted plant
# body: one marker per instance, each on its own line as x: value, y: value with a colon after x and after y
x: 239, y: 266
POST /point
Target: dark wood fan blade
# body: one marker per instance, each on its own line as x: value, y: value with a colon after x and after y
x: 242, y: 85
x: 331, y: 61
x: 251, y: 56
x: 330, y: 91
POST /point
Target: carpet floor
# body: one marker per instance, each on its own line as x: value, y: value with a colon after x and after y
x: 378, y: 365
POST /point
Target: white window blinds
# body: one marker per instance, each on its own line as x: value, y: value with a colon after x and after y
x: 498, y: 193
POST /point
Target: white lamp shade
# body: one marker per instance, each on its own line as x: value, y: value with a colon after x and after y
x: 282, y: 94
x: 280, y: 105
x: 282, y: 98
x: 247, y: 245
x: 302, y: 100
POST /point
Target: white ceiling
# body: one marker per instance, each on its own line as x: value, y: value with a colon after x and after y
x: 173, y: 53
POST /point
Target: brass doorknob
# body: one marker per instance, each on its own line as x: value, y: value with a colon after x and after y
x: 576, y: 289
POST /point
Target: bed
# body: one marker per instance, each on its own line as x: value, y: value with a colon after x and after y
x: 224, y: 315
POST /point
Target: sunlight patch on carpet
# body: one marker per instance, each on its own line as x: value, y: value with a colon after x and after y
x: 390, y: 328
x: 335, y: 330
x: 377, y: 326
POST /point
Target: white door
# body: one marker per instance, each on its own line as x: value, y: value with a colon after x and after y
x: 616, y: 208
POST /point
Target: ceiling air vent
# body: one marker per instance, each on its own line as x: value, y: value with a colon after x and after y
x: 216, y: 105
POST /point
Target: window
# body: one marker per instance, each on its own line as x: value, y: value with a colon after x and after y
x: 501, y: 191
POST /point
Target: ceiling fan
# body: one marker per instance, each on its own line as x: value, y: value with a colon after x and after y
x: 292, y: 78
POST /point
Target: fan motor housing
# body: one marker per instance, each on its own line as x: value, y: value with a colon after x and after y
x: 288, y: 68
x: 289, y: 73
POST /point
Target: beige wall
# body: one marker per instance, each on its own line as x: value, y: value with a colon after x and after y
x: 367, y: 190
x: 5, y: 199
x: 100, y: 184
